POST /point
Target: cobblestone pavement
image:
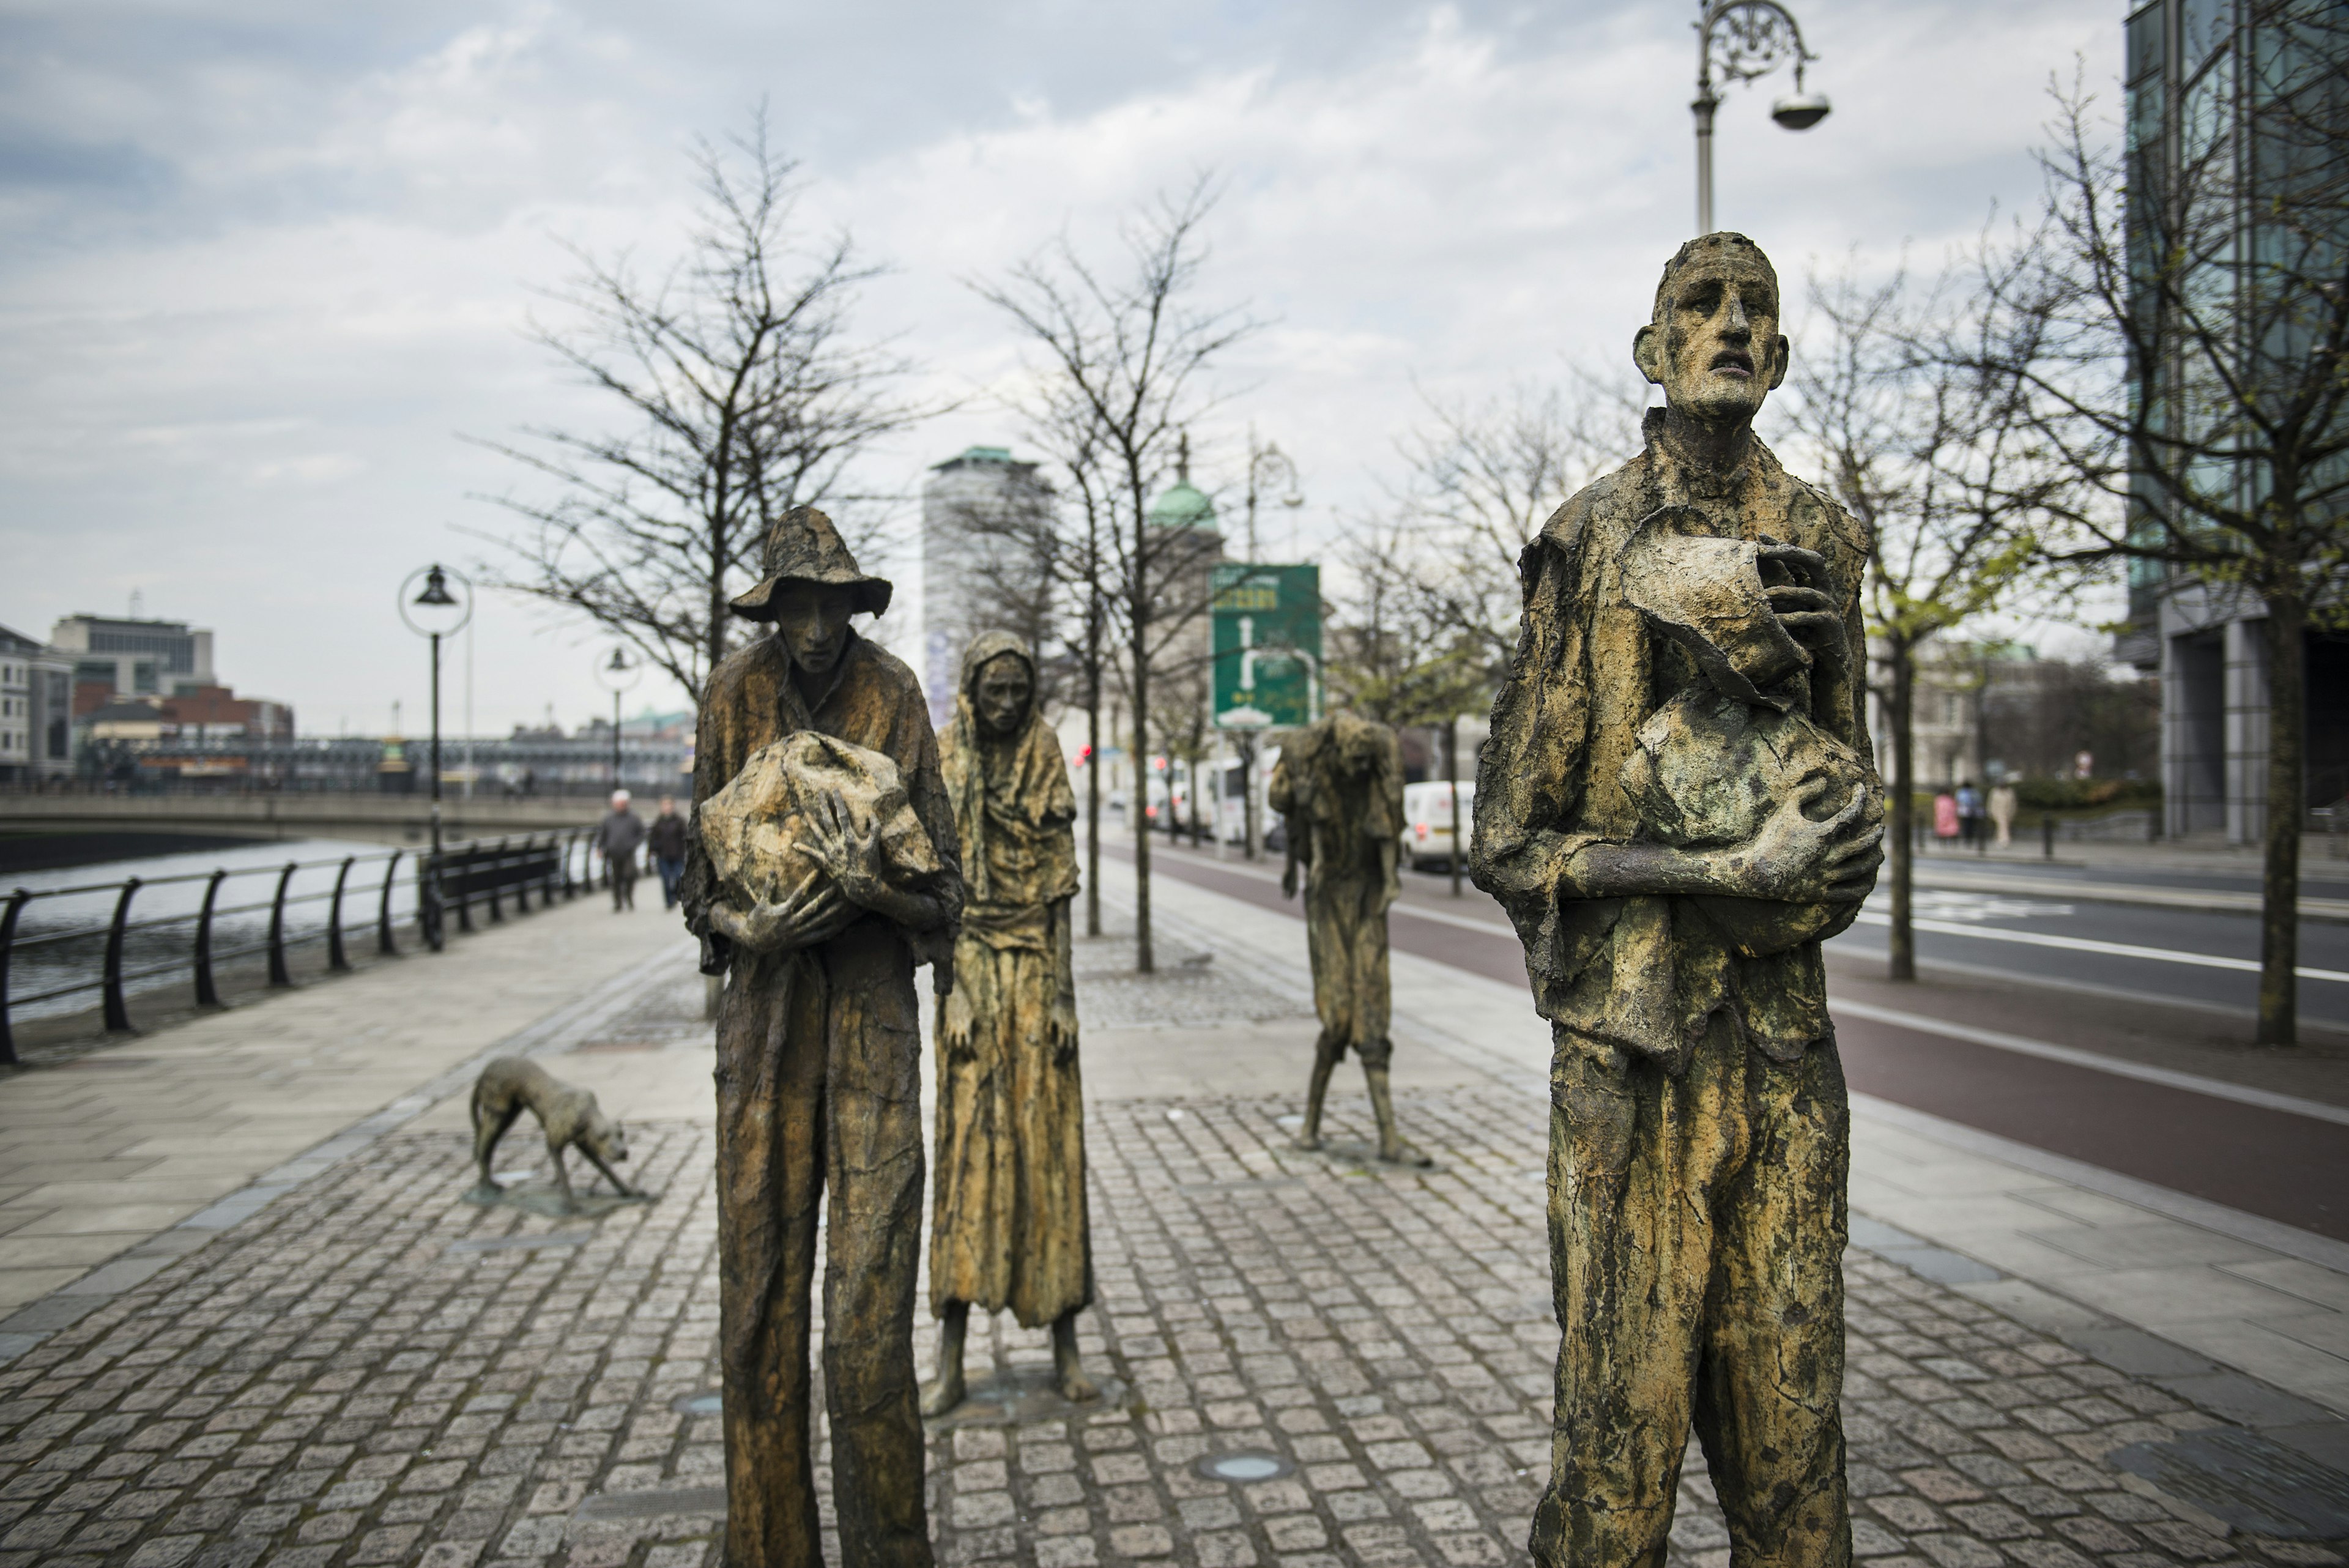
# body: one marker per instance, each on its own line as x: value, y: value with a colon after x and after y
x: 371, y: 1371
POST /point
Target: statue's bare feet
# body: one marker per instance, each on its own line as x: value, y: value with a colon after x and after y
x: 487, y: 1190
x: 943, y: 1393
x: 1398, y: 1152
x: 1308, y: 1142
x: 1068, y: 1372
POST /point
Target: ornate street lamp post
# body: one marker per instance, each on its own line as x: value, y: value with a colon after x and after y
x: 1269, y: 470
x: 1747, y: 39
x: 619, y: 674
x: 436, y: 613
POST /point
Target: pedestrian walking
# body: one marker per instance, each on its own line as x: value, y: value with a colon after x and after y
x: 665, y: 841
x: 1971, y: 820
x: 619, y: 836
x: 1945, y: 816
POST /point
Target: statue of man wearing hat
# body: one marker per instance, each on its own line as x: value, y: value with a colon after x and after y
x: 1691, y: 627
x: 819, y: 1090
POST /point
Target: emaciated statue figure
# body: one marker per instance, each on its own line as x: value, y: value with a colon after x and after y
x: 819, y: 1061
x: 1676, y: 805
x: 1338, y: 784
x: 1008, y: 1227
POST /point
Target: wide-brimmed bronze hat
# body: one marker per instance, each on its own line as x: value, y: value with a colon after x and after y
x: 804, y: 547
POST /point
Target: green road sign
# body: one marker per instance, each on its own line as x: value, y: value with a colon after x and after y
x: 1268, y: 628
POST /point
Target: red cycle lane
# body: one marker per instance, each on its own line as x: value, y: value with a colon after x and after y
x: 2276, y: 1164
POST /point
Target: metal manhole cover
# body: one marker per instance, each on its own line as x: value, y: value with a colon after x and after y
x: 1246, y: 1465
x: 684, y: 1500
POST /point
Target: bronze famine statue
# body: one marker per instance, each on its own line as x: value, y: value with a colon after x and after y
x: 1676, y: 805
x: 1339, y: 784
x: 1008, y: 1227
x: 569, y: 1117
x: 839, y: 873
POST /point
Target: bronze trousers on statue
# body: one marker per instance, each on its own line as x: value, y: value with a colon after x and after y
x: 1697, y: 1229
x: 819, y: 1095
x: 1346, y: 942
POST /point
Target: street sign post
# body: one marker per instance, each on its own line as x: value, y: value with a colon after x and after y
x: 1267, y: 646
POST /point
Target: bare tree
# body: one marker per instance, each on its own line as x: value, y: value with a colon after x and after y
x: 1480, y: 480
x: 741, y: 395
x: 1399, y: 654
x: 1124, y: 361
x: 1937, y: 460
x: 2176, y: 321
x: 1429, y: 619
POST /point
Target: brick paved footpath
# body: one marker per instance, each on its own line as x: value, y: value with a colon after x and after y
x: 368, y: 1370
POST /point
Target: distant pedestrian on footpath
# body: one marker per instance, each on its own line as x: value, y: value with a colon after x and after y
x: 1945, y: 816
x: 1970, y: 821
x: 666, y: 841
x: 618, y: 837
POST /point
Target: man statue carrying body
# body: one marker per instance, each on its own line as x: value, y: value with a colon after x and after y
x: 1700, y: 1133
x: 819, y: 1083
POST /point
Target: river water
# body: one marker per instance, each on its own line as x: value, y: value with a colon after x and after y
x: 81, y: 900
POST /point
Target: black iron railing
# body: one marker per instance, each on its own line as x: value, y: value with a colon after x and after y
x: 124, y: 955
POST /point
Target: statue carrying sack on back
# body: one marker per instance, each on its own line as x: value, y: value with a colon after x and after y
x: 1339, y: 786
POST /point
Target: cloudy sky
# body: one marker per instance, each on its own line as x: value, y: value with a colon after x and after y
x: 266, y: 262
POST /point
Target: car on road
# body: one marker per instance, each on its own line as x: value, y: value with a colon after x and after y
x: 1427, y: 821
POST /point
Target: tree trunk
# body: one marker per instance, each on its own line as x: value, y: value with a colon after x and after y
x: 1902, y: 942
x: 719, y: 607
x: 1138, y: 799
x: 1093, y: 784
x: 1452, y: 788
x: 2280, y: 884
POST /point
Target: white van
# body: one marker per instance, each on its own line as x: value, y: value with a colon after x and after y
x: 1427, y: 821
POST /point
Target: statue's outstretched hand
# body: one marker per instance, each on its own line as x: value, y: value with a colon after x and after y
x: 955, y: 1022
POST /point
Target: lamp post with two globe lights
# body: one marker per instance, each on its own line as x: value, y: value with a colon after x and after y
x: 1747, y: 39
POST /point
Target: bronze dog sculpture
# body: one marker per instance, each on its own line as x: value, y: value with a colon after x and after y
x: 568, y: 1116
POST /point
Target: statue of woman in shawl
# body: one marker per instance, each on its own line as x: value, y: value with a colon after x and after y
x: 1008, y: 1227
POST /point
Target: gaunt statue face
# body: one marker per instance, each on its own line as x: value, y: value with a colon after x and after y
x: 1714, y: 346
x: 813, y: 620
x: 1002, y: 692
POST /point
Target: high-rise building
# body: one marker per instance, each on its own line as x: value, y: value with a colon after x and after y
x: 2234, y: 84
x: 986, y: 519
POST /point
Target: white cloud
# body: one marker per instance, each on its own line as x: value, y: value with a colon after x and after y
x: 267, y: 271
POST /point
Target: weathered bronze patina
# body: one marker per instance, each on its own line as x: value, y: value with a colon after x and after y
x: 1008, y: 1226
x: 819, y: 1079
x: 1676, y: 805
x: 1339, y: 784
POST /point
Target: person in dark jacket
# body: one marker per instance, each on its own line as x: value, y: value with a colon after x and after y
x: 665, y: 839
x: 618, y: 837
